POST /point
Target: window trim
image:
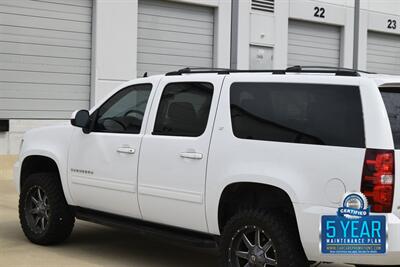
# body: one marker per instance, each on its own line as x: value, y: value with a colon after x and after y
x: 364, y: 141
x: 158, y: 107
x: 95, y: 113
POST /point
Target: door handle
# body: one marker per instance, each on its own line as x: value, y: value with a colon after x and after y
x: 126, y: 150
x: 191, y: 155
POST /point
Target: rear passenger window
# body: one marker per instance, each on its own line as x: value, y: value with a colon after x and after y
x: 317, y: 114
x: 184, y: 109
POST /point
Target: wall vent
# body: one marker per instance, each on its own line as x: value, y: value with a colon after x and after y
x: 263, y: 5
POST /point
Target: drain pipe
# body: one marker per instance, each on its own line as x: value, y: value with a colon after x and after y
x: 356, y: 33
x: 234, y: 33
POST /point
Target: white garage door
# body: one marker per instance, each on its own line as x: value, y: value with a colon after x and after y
x: 313, y: 44
x: 174, y: 35
x: 383, y: 53
x: 45, y: 55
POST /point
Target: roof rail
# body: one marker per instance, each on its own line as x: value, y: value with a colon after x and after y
x: 293, y: 69
x: 188, y: 70
x: 332, y: 68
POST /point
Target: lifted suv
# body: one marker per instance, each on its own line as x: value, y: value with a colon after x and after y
x: 247, y: 160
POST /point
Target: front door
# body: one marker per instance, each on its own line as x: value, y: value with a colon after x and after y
x: 103, y: 164
x: 174, y: 153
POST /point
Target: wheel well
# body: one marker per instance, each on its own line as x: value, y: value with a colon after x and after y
x: 240, y: 196
x: 36, y: 164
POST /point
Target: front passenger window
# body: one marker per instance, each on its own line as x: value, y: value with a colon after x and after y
x: 124, y: 111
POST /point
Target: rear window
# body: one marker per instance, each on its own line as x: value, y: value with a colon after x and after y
x: 317, y: 114
x: 391, y: 97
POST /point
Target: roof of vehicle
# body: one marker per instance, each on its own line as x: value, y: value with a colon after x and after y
x: 380, y: 79
x: 385, y: 80
x: 295, y: 69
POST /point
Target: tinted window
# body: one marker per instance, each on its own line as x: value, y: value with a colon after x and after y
x: 298, y: 113
x: 124, y: 111
x: 184, y: 109
x: 391, y: 97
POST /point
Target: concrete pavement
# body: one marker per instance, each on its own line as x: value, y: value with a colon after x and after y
x: 6, y: 166
x: 90, y: 245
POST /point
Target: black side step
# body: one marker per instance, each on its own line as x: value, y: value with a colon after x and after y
x: 172, y: 234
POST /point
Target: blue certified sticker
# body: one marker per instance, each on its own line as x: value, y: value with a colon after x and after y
x: 353, y: 230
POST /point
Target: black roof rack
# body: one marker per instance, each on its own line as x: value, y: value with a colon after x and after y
x: 293, y: 69
x: 199, y: 70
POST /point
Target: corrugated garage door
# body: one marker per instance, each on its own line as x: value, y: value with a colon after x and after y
x: 45, y: 55
x: 174, y: 35
x: 313, y: 44
x: 383, y: 53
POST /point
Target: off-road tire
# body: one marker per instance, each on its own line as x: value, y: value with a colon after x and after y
x: 60, y: 220
x: 282, y: 233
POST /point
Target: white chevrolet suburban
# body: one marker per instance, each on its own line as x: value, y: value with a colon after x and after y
x: 247, y: 161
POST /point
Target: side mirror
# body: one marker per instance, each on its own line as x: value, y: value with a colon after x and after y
x: 81, y: 119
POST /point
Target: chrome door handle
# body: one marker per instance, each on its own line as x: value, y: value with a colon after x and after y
x: 126, y: 150
x: 191, y: 155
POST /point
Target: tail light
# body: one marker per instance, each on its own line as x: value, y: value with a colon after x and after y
x: 378, y: 179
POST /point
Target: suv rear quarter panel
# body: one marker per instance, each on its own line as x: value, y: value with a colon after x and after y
x: 305, y: 172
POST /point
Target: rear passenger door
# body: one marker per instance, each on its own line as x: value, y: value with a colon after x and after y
x: 174, y: 152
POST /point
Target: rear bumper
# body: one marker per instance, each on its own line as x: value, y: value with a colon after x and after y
x: 308, y: 219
